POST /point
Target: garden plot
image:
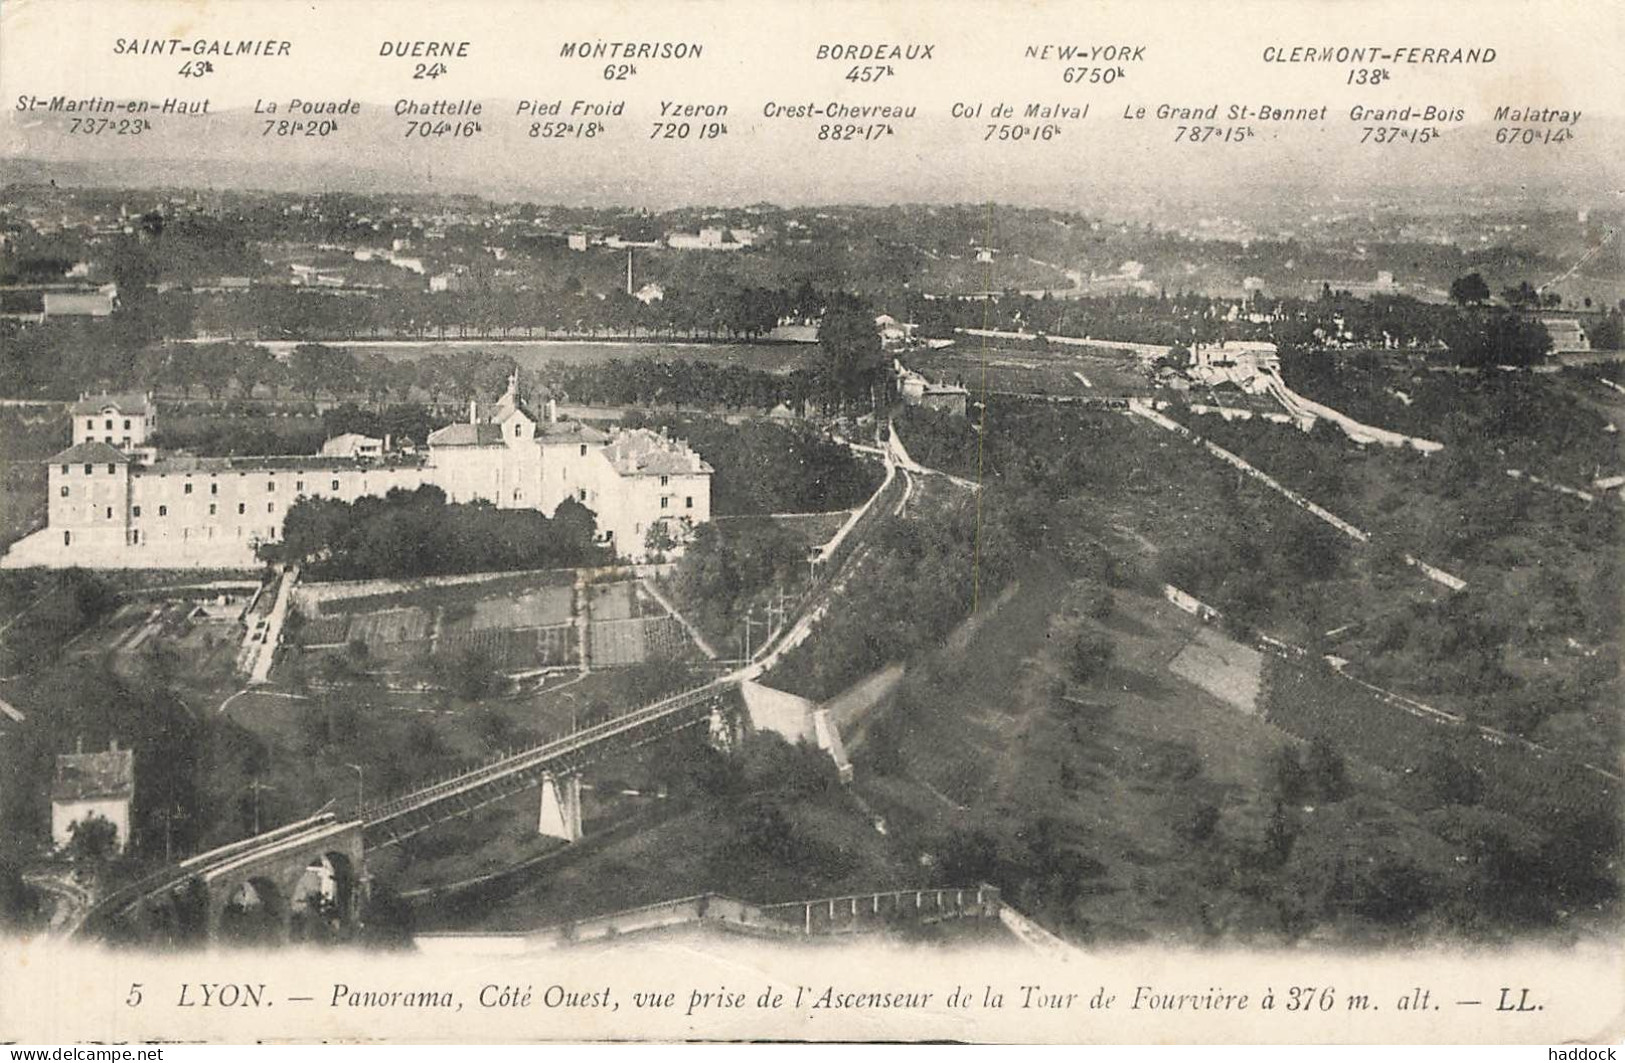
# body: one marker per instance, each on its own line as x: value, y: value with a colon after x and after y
x: 516, y: 625
x: 629, y: 626
x: 1221, y: 666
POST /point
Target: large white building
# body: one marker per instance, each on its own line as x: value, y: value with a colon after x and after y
x: 117, y: 505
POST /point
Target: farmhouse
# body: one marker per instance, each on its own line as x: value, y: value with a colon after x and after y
x: 122, y: 421
x: 93, y: 784
x: 111, y: 507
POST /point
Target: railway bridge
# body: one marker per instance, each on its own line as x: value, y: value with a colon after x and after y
x: 308, y: 879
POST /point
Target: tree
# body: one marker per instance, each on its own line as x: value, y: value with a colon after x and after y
x: 252, y: 365
x: 1314, y: 551
x: 970, y: 857
x: 852, y: 358
x: 1451, y: 781
x: 17, y: 899
x: 1326, y: 771
x: 1608, y: 332
x: 1470, y: 290
x: 765, y: 828
x: 93, y: 839
x: 1091, y: 653
x: 1288, y: 774
x: 471, y: 674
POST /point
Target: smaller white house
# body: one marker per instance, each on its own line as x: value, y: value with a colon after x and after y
x: 93, y: 784
x: 122, y: 421
x: 353, y: 445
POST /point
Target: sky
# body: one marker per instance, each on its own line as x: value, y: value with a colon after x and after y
x: 1195, y: 54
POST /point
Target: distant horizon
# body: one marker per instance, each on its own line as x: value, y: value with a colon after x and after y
x: 1119, y: 201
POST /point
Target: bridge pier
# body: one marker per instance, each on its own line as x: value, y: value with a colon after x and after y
x: 561, y: 807
x: 727, y: 729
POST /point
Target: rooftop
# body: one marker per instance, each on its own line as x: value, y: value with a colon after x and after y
x: 91, y: 453
x: 128, y: 402
x: 93, y: 776
x: 462, y: 434
x: 640, y: 451
x: 569, y: 432
x: 183, y: 463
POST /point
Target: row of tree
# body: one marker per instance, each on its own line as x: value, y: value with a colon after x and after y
x: 418, y: 533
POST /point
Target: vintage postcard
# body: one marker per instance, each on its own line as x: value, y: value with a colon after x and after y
x: 822, y: 520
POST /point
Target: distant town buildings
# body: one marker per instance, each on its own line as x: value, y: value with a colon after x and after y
x: 353, y: 445
x: 1567, y: 334
x: 43, y: 302
x: 712, y: 238
x: 97, y: 303
x: 917, y: 390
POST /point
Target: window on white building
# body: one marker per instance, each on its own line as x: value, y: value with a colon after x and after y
x: 64, y: 491
x: 126, y: 424
x: 213, y: 509
x: 89, y: 469
x: 242, y: 507
x: 665, y: 500
x: 582, y: 494
x: 109, y: 512
x: 187, y: 489
x: 335, y: 485
x: 583, y: 450
x: 270, y: 485
x: 135, y: 510
x: 163, y: 511
x: 214, y: 489
x: 688, y: 503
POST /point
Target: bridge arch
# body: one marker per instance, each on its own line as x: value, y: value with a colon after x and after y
x: 324, y: 902
x: 255, y: 912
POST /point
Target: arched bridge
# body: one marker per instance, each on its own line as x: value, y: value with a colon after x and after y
x: 308, y: 878
x: 304, y: 879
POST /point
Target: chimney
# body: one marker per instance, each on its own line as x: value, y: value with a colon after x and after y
x: 552, y: 411
x: 79, y: 744
x: 112, y: 745
x: 387, y: 447
x: 473, y: 410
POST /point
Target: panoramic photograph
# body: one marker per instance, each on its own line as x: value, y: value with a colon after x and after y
x: 429, y: 559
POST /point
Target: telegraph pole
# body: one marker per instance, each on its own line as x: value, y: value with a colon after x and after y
x: 360, y: 787
x: 256, y: 786
x: 171, y: 814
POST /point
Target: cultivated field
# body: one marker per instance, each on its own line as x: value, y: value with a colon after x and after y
x: 519, y: 622
x: 1045, y: 372
x: 629, y: 627
x: 1221, y: 666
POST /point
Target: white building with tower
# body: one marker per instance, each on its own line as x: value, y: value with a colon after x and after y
x: 121, y: 504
